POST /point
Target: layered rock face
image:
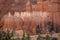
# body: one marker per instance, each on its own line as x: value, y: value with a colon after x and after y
x: 50, y: 6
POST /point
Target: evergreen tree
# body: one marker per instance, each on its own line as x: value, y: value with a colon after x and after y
x: 28, y: 36
x: 23, y: 38
x: 47, y: 37
x: 39, y: 37
x: 8, y: 36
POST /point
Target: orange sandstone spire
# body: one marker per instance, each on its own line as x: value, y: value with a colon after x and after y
x: 28, y: 6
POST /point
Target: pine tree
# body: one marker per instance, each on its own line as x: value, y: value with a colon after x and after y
x: 47, y: 37
x: 28, y: 36
x: 8, y: 37
x: 13, y: 34
x: 39, y: 37
x: 23, y: 38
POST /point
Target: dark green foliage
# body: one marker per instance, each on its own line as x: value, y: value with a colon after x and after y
x: 38, y: 29
x: 12, y: 34
x: 48, y: 37
x: 39, y: 37
x: 54, y: 39
x: 23, y: 38
x: 28, y: 36
x: 6, y: 35
x: 17, y: 38
x: 2, y: 35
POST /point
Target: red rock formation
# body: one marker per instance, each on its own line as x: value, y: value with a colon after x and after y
x: 50, y: 6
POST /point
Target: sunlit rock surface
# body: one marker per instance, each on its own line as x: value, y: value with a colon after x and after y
x: 50, y: 6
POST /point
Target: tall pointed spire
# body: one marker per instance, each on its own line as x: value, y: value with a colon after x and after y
x: 28, y: 6
x: 17, y: 14
x: 9, y: 14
